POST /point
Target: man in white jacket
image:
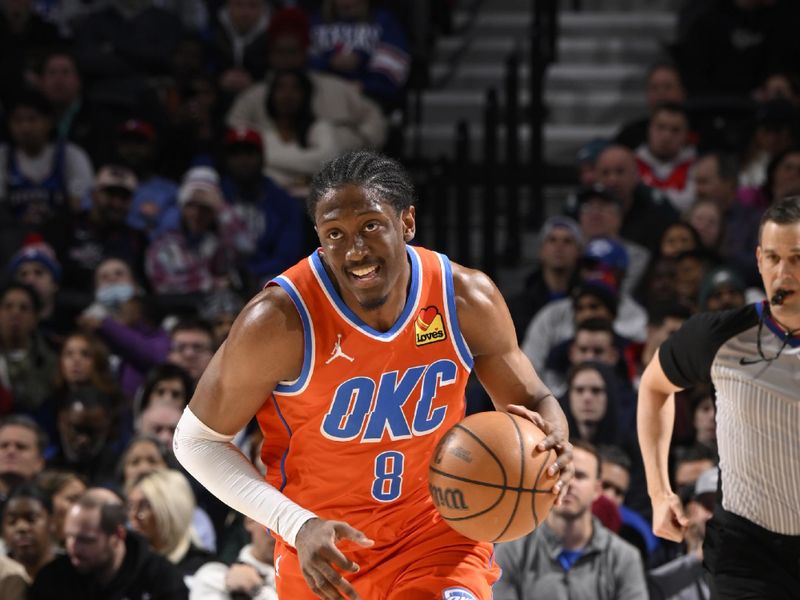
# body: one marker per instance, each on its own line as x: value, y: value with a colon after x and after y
x: 253, y: 576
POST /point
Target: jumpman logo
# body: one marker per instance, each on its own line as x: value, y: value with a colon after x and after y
x: 337, y: 351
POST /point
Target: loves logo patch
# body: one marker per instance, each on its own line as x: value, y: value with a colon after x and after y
x: 429, y: 327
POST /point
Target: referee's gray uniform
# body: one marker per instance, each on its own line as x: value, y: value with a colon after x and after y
x: 752, y: 546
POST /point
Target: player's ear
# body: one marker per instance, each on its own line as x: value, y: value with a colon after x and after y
x: 408, y: 219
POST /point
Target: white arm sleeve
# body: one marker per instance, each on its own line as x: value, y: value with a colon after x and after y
x: 223, y: 470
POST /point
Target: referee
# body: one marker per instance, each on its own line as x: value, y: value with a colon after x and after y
x: 752, y: 356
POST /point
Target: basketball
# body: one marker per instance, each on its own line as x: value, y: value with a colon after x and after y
x: 487, y: 479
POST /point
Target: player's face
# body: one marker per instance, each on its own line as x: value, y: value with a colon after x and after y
x: 363, y: 242
x: 778, y: 257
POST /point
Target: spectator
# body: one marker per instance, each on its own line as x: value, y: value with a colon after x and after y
x: 22, y: 448
x: 729, y: 48
x: 120, y: 317
x: 783, y: 179
x: 367, y: 45
x: 143, y: 455
x: 274, y: 219
x: 666, y: 159
x: 122, y: 43
x: 160, y: 508
x: 571, y: 554
x: 220, y: 309
x: 587, y: 161
x: 705, y: 216
x: 136, y: 146
x: 159, y: 421
x: 358, y: 122
x: 252, y: 574
x: 774, y: 133
x: 602, y: 267
x: 684, y: 578
x: 592, y: 406
x: 716, y: 178
x: 27, y: 525
x: 27, y: 365
x: 64, y: 488
x: 678, y: 237
x: 594, y: 340
x: 664, y: 319
x: 690, y: 269
x: 194, y: 130
x: 98, y: 232
x: 600, y: 215
x: 239, y: 44
x: 721, y: 289
x: 83, y: 363
x: 192, y: 346
x: 297, y: 142
x: 663, y: 85
x: 146, y: 454
x: 702, y: 403
x: 623, y: 483
x: 646, y: 212
x: 84, y: 425
x: 36, y: 265
x: 560, y: 242
x: 24, y: 39
x: 75, y: 117
x: 104, y: 560
x: 200, y: 255
x: 14, y: 580
x: 691, y: 463
x: 165, y: 384
x: 39, y: 180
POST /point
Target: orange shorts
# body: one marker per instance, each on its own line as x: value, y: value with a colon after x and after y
x: 430, y: 565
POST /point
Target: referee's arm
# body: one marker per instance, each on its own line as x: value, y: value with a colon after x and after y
x: 655, y: 420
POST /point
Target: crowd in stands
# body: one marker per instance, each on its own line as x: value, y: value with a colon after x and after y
x: 154, y: 158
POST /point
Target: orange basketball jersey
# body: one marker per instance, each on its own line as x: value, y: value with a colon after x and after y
x: 351, y: 438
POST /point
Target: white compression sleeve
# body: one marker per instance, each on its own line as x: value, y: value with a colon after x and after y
x: 224, y: 471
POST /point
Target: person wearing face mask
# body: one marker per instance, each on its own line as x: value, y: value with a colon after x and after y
x: 119, y: 315
x: 101, y: 230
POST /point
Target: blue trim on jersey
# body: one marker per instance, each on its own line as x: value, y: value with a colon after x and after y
x: 793, y: 341
x: 461, y: 344
x: 299, y: 383
x: 286, y: 451
x: 349, y: 315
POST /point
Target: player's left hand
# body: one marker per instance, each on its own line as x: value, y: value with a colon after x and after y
x: 555, y: 440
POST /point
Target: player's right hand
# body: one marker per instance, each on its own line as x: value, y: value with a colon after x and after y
x: 669, y: 522
x: 321, y: 561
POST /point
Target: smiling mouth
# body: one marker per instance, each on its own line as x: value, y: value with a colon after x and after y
x: 365, y: 273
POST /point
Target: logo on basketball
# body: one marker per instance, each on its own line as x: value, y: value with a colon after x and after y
x: 449, y: 497
x: 457, y: 594
x: 429, y: 326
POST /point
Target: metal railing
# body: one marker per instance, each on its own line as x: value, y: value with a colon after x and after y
x: 466, y: 202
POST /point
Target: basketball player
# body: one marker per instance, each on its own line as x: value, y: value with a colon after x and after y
x: 750, y: 354
x: 354, y: 362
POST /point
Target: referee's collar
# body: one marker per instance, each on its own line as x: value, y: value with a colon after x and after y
x: 763, y: 313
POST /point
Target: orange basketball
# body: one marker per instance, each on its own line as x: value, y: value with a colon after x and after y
x: 487, y: 479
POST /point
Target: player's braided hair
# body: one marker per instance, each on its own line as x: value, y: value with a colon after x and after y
x: 374, y: 172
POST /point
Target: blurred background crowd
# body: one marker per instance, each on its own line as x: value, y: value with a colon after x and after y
x: 154, y: 158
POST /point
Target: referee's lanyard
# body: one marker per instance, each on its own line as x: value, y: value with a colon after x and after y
x: 763, y: 314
